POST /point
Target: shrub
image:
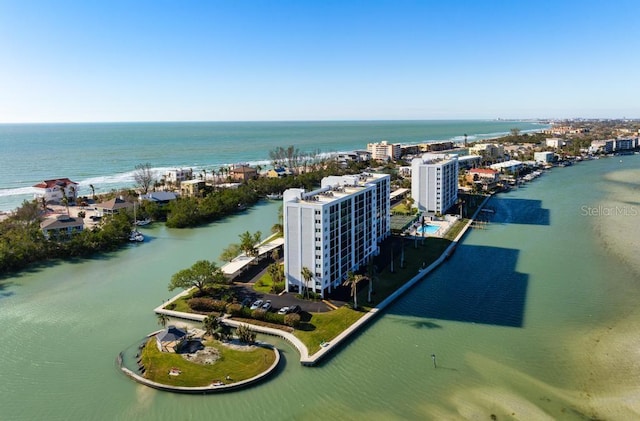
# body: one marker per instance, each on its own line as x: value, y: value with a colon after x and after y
x: 219, y: 305
x: 170, y: 306
x: 277, y: 288
x: 258, y: 314
x: 202, y: 304
x: 245, y: 334
x: 274, y: 318
x: 292, y: 320
x: 235, y: 309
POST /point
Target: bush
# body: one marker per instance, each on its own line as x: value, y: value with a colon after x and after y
x: 274, y: 318
x: 202, y: 304
x: 219, y: 305
x: 245, y: 334
x: 258, y: 314
x: 277, y: 288
x: 235, y: 309
x: 292, y: 320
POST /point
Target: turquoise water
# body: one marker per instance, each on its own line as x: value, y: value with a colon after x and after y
x: 533, y: 318
x: 106, y: 154
x: 427, y: 229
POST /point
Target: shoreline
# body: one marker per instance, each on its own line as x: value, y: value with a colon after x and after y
x: 340, y: 339
x: 12, y: 197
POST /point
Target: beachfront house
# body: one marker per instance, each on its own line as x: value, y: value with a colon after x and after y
x: 178, y: 175
x: 113, y: 206
x: 334, y: 229
x: 53, y: 191
x: 159, y: 197
x: 61, y: 227
x: 192, y: 188
x: 243, y: 173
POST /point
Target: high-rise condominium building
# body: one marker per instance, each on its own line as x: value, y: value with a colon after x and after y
x: 434, y: 182
x: 334, y: 230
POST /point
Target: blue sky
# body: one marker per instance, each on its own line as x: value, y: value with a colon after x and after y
x: 66, y: 61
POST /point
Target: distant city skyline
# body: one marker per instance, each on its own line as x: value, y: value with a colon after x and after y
x: 71, y: 61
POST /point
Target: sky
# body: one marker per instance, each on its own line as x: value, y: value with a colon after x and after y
x: 236, y: 60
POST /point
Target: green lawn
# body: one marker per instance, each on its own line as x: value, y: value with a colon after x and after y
x: 326, y: 326
x: 239, y: 365
x: 263, y: 284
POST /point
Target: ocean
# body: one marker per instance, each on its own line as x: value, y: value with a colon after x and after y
x: 105, y: 154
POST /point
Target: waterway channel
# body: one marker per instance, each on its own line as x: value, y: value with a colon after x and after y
x: 532, y: 318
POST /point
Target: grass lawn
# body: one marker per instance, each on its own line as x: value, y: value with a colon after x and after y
x: 326, y: 326
x: 263, y: 284
x: 387, y: 282
x: 455, y: 229
x: 239, y: 365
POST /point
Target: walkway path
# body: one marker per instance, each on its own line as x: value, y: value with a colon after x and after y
x: 328, y: 347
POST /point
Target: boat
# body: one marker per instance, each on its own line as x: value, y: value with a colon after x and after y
x: 136, y: 236
x: 274, y: 196
x: 143, y: 222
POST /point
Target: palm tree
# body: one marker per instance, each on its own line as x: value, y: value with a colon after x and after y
x: 371, y: 274
x: 163, y: 319
x: 275, y: 254
x: 307, y: 275
x: 211, y: 324
x: 352, y: 281
x: 93, y: 191
x: 65, y: 199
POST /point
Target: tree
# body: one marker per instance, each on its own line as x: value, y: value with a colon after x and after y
x: 307, y: 275
x: 163, y: 319
x: 245, y: 334
x: 289, y: 156
x: 249, y: 242
x: 371, y: 274
x: 93, y: 191
x: 201, y: 275
x: 65, y: 199
x: 231, y: 252
x: 144, y: 177
x: 352, y: 281
x: 211, y: 324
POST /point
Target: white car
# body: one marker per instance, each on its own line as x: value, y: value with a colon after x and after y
x: 283, y: 310
x: 256, y: 304
x: 266, y: 306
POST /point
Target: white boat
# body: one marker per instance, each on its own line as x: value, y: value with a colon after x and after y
x: 136, y: 236
x: 143, y: 222
x: 274, y: 196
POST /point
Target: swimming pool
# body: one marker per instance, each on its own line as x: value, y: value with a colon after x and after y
x: 428, y: 229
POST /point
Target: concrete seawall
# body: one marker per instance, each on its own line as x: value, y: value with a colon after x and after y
x: 203, y: 389
x: 311, y: 360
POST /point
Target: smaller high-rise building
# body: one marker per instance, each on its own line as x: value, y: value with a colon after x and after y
x: 384, y: 151
x: 434, y: 182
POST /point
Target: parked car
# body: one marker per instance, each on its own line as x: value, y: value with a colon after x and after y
x: 294, y: 309
x: 256, y: 304
x: 267, y: 305
x: 246, y: 302
x: 283, y: 310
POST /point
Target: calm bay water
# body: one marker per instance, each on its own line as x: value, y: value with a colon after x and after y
x: 533, y: 318
x: 106, y: 154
